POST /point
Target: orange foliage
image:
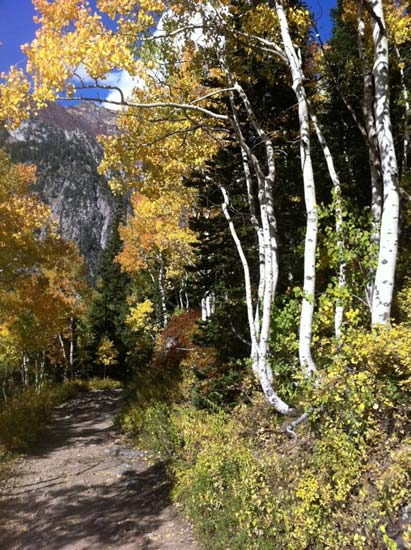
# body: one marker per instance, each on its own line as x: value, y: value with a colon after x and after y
x: 175, y: 341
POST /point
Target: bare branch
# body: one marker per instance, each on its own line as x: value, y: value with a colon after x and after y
x: 170, y: 34
x: 157, y: 105
x: 370, y: 10
x: 223, y: 90
x: 270, y: 46
x: 288, y: 427
x: 102, y: 87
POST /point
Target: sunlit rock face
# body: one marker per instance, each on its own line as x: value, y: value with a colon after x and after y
x: 62, y: 143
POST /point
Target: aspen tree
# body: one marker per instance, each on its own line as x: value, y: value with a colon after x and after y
x: 307, y: 313
x: 387, y: 258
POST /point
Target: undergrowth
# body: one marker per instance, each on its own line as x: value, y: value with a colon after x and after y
x: 24, y: 417
x: 343, y: 483
x: 100, y: 384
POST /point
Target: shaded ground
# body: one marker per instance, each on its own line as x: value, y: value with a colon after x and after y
x: 85, y: 488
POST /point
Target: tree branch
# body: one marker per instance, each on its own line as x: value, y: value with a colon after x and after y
x: 212, y: 94
x: 371, y: 11
x: 270, y: 46
x: 157, y: 105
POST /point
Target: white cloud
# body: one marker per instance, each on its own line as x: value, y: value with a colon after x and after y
x: 127, y: 83
x: 82, y: 74
x: 120, y: 79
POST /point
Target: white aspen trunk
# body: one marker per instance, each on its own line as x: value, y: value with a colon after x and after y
x: 203, y: 309
x: 71, y: 350
x: 42, y: 365
x: 247, y: 159
x: 25, y: 371
x: 372, y: 142
x: 245, y: 155
x: 207, y: 306
x: 36, y: 378
x: 161, y: 288
x: 210, y: 304
x: 271, y: 278
x: 339, y: 308
x: 387, y: 258
x: 157, y: 304
x: 370, y: 128
x: 246, y: 270
x: 307, y: 311
x: 257, y: 227
x: 180, y: 299
x: 262, y: 367
x: 266, y: 238
x: 63, y: 349
x: 22, y: 373
x: 266, y: 231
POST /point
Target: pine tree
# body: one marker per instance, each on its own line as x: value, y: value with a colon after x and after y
x: 109, y: 307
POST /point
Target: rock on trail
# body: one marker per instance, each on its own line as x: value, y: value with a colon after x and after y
x: 84, y: 487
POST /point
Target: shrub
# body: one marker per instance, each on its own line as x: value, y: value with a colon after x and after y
x: 23, y: 418
x: 103, y: 384
x: 344, y: 483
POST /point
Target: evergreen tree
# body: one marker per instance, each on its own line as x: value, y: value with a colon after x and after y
x: 109, y: 307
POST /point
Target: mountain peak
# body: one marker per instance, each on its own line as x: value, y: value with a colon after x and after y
x: 87, y: 116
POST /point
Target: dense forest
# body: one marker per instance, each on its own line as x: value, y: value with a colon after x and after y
x: 255, y: 292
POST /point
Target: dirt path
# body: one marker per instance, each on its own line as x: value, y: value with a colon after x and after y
x: 85, y: 488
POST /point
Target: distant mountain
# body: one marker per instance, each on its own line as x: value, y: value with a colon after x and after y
x: 62, y: 143
x: 86, y: 116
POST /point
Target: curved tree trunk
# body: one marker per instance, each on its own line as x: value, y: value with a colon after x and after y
x: 259, y: 341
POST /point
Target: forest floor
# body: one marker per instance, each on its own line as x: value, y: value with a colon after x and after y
x: 85, y: 487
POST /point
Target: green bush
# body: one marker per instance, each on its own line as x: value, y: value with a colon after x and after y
x: 104, y: 384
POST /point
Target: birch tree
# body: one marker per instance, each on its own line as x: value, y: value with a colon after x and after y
x: 398, y: 22
x: 307, y: 313
x: 387, y: 258
x: 370, y: 132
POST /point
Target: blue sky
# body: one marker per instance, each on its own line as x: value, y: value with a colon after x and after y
x: 17, y: 27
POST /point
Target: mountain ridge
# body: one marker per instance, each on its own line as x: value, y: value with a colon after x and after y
x: 61, y: 142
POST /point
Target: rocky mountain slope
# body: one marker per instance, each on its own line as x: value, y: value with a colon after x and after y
x: 62, y: 143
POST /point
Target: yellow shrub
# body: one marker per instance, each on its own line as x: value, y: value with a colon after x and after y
x: 342, y: 484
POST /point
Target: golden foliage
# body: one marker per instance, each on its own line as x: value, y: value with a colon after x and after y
x: 157, y: 232
x: 40, y: 273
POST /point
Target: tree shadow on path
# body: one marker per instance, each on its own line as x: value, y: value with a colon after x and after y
x: 79, y: 489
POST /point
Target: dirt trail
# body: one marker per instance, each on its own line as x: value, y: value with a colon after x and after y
x: 84, y: 487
